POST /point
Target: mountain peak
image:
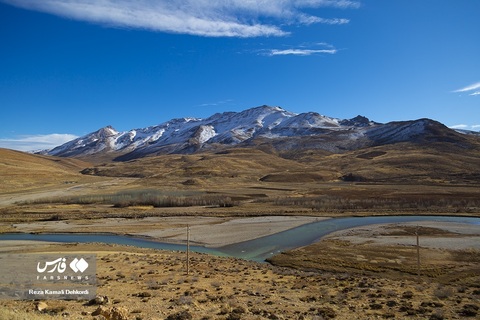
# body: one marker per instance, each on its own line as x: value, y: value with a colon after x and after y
x: 267, y: 107
x: 358, y: 121
x: 264, y: 109
x: 263, y: 124
x: 107, y: 131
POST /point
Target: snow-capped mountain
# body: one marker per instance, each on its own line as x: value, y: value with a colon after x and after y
x: 187, y: 135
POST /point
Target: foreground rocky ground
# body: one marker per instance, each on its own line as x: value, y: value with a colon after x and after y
x: 150, y: 284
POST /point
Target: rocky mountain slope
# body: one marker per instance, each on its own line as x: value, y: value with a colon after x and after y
x: 281, y: 129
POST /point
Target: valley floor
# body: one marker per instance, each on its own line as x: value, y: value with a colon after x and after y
x: 204, y: 231
x: 368, y: 272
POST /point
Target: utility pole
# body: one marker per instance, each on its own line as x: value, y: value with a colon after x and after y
x: 188, y: 249
x: 418, y: 253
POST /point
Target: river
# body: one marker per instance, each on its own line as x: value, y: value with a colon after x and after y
x: 256, y: 249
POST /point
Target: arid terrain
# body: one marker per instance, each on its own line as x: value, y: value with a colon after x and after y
x: 153, y: 284
x: 239, y: 159
x: 239, y: 194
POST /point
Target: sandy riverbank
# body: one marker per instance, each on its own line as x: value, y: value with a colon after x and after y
x: 447, y: 252
x: 434, y: 235
x: 18, y: 245
x: 205, y: 231
x: 220, y: 231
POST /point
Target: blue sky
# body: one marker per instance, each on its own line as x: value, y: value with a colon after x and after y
x: 70, y: 67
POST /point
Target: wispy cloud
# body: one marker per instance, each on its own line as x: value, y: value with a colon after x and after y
x: 216, y: 103
x: 472, y: 90
x: 311, y: 20
x: 302, y: 50
x: 36, y: 142
x: 474, y: 127
x: 228, y: 18
x: 459, y: 126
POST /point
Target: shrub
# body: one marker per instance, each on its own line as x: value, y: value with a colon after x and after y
x: 332, y: 203
x: 443, y: 292
x: 155, y: 198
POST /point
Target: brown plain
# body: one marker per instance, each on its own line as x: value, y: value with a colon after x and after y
x: 328, y: 279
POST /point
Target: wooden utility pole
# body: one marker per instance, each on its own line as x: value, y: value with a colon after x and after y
x: 188, y: 249
x: 418, y: 253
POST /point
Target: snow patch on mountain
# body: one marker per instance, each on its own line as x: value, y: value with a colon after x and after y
x: 185, y: 135
x: 205, y: 133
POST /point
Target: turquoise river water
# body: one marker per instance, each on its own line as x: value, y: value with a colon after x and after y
x: 256, y: 249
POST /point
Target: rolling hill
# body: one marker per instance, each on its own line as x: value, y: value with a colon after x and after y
x: 24, y: 171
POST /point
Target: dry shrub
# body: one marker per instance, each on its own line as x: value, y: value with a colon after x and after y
x: 444, y: 292
x: 334, y: 203
x: 155, y: 198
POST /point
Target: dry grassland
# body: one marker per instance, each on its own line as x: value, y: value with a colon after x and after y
x: 152, y: 284
x: 334, y: 278
x: 382, y: 180
x: 21, y: 172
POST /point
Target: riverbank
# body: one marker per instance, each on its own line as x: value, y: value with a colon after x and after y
x: 365, y: 272
x: 256, y: 238
x: 447, y: 252
x: 438, y: 235
x: 204, y: 231
x: 153, y: 284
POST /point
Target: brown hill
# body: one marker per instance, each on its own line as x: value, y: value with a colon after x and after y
x: 442, y: 174
x: 238, y: 167
x: 24, y: 171
x: 406, y: 162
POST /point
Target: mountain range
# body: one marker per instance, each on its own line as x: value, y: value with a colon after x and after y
x: 280, y: 129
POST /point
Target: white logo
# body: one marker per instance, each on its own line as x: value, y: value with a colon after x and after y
x: 60, y: 265
x: 78, y: 265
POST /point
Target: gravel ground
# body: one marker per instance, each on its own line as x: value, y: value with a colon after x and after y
x: 451, y: 236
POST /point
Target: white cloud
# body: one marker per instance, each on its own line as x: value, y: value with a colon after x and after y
x: 302, y: 50
x: 473, y: 89
x: 311, y: 20
x: 36, y: 142
x: 228, y: 18
x: 216, y: 103
x: 474, y: 127
x: 459, y: 126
